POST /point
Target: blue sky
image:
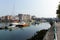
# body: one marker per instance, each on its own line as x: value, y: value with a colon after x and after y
x: 39, y: 8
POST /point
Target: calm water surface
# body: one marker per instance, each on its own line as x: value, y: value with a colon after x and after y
x: 22, y: 33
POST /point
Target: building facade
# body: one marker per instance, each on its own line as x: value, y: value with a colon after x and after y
x: 24, y: 17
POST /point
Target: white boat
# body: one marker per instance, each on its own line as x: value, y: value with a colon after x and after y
x: 21, y: 24
x: 13, y: 24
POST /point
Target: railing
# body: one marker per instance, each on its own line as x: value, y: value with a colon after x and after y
x: 55, y: 32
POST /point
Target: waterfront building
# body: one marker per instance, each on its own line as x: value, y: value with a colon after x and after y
x: 33, y: 17
x: 8, y: 18
x: 0, y: 19
x: 3, y: 19
x: 15, y: 19
x: 24, y: 17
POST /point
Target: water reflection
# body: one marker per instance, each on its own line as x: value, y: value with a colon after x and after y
x: 39, y: 35
x: 22, y: 33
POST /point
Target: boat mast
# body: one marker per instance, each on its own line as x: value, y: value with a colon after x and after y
x: 13, y: 9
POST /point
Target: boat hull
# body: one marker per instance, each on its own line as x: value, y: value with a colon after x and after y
x: 22, y: 25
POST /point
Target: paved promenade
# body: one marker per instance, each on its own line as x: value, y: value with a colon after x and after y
x: 58, y: 30
x: 49, y: 35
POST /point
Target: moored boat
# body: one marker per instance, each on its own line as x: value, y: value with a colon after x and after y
x: 21, y: 24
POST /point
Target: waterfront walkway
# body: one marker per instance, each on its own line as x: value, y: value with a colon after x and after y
x: 50, y: 34
x: 58, y: 30
x: 53, y: 33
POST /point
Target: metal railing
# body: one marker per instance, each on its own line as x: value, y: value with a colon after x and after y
x: 55, y: 32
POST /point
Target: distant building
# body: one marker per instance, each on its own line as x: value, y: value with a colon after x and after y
x: 10, y: 18
x: 0, y: 19
x: 24, y: 17
x: 33, y: 17
x: 15, y: 19
x: 3, y: 17
x: 20, y: 17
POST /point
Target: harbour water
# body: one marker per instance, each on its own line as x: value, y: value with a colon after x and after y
x: 22, y: 33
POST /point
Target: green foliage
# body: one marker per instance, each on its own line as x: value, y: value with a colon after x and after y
x: 51, y: 22
x: 58, y: 11
x: 58, y: 15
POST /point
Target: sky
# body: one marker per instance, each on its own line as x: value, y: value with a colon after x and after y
x: 39, y: 8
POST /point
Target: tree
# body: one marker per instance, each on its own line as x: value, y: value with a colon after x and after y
x: 58, y: 11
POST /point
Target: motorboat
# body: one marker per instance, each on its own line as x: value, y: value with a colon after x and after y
x: 21, y: 24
